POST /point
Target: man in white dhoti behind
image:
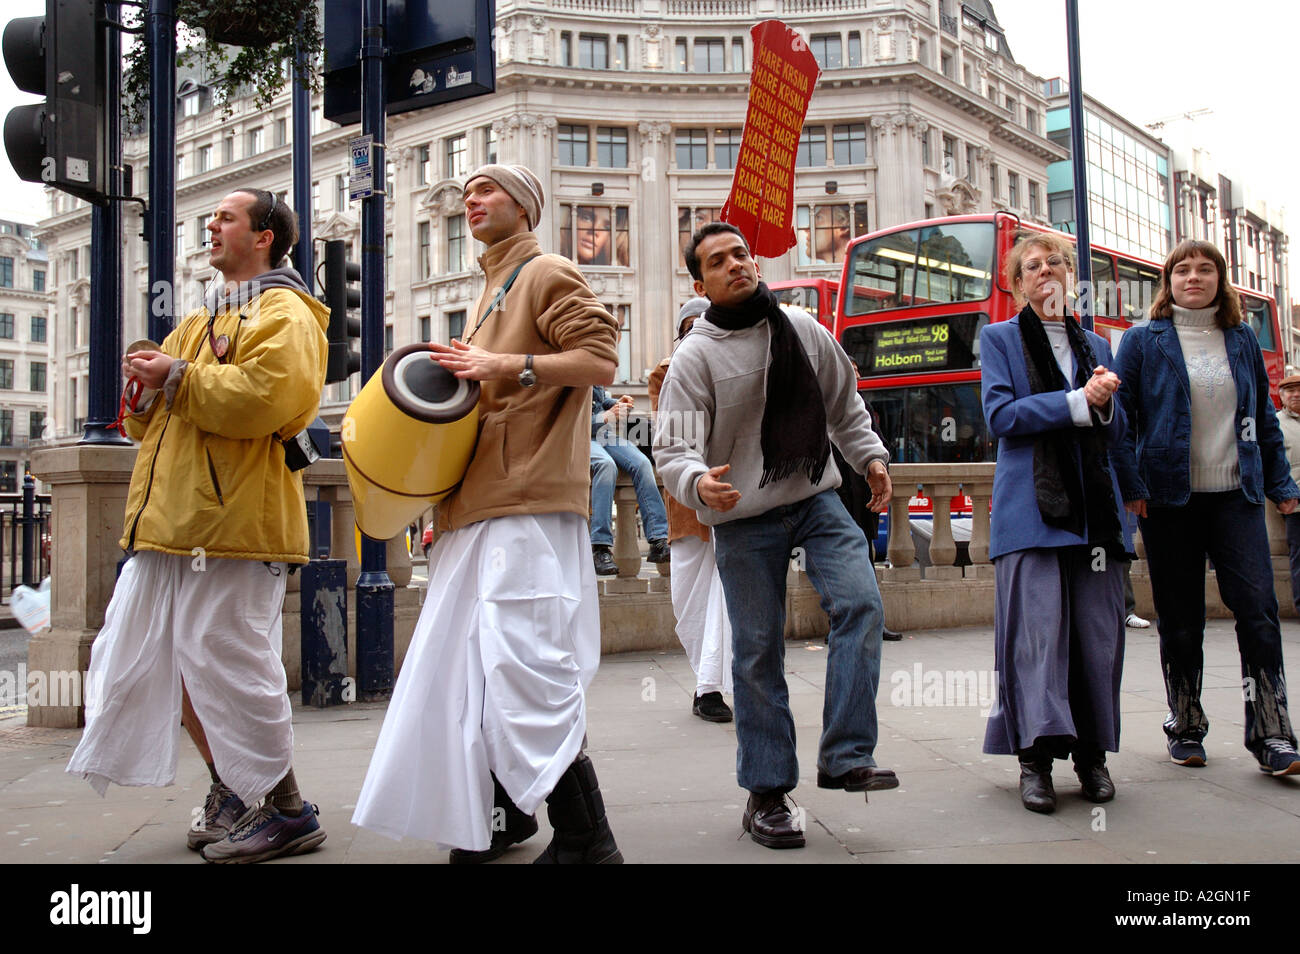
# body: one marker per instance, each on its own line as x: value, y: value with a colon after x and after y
x: 699, y: 604
x: 488, y: 716
x: 213, y: 518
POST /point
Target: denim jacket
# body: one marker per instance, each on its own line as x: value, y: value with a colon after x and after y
x: 1153, y: 462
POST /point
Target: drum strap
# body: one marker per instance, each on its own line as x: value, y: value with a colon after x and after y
x: 499, y: 297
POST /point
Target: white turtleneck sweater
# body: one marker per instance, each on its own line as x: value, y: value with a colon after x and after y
x: 1078, y: 403
x: 1215, y: 466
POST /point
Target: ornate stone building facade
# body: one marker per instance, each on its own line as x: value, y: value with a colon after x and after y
x: 25, y: 348
x: 631, y: 113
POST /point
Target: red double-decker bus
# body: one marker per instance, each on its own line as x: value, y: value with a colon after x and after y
x: 817, y: 296
x: 913, y: 299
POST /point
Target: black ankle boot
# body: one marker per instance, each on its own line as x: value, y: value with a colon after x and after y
x: 1090, y: 766
x: 1036, y: 791
x: 517, y: 827
x: 577, y: 813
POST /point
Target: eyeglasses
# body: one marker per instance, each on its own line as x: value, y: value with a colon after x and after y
x: 1035, y: 266
x: 266, y: 221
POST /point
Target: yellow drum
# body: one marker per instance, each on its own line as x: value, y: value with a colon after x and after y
x: 407, y: 440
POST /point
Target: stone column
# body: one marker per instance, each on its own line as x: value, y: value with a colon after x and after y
x: 656, y: 312
x: 943, y: 548
x: 902, y: 551
x: 88, y: 487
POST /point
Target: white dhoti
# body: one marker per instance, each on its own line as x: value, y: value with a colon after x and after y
x: 215, y: 624
x: 701, y: 611
x: 493, y: 681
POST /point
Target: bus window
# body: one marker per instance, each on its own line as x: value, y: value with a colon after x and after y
x: 800, y: 296
x: 1105, y: 300
x: 932, y: 424
x: 920, y: 266
x: 1260, y: 318
x: 1138, y: 284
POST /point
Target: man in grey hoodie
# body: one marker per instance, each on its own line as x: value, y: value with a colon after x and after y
x: 748, y: 408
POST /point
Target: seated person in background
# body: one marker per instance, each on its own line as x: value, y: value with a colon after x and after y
x: 610, y: 452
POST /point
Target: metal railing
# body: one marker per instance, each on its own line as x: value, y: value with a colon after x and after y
x: 24, y: 538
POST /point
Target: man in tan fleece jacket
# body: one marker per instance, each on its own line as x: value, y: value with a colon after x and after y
x: 489, y: 715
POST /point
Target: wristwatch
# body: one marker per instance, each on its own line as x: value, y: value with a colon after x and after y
x: 528, y: 377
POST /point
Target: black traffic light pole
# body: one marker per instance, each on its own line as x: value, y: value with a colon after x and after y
x: 106, y: 263
x: 303, y: 252
x: 161, y: 233
x: 374, y: 588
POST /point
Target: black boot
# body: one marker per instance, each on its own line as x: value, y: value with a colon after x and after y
x: 1036, y: 791
x: 517, y: 827
x: 577, y: 813
x: 1090, y: 766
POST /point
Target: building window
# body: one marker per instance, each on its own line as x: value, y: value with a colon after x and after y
x: 6, y: 428
x: 1013, y: 108
x: 679, y: 50
x: 573, y: 145
x: 37, y: 376
x: 566, y: 48
x: 457, y: 148
x: 623, y: 315
x: 424, y: 242
x: 1035, y: 200
x: 426, y: 329
x: 6, y: 374
x: 423, y: 165
x: 253, y: 143
x: 73, y: 318
x: 826, y: 50
x: 972, y: 162
x: 726, y: 147
x: 692, y: 149
x: 950, y: 155
x: 993, y: 180
x: 455, y: 324
x: 855, y: 48
x: 6, y: 326
x: 1013, y: 190
x: 38, y: 327
x: 595, y: 234
x: 340, y: 193
x: 35, y: 425
x: 611, y: 147
x: 812, y: 147
x: 593, y: 52
x: 204, y: 161
x: 281, y: 132
x: 946, y: 66
x: 489, y: 144
x: 850, y: 144
x: 824, y: 231
x: 689, y: 221
x: 457, y: 244
x: 708, y: 56
x: 8, y: 477
x: 620, y: 54
x: 738, y: 55
x: 38, y: 280
x: 7, y: 272
x: 925, y: 148
x: 388, y: 262
x: 315, y: 198
x: 190, y: 105
x: 227, y: 150
x: 388, y: 340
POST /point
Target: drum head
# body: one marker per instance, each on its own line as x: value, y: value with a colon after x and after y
x: 423, y: 389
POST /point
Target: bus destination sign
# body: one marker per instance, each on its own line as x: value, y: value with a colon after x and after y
x: 911, y: 347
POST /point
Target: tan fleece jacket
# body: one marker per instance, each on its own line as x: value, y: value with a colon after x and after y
x: 534, y: 444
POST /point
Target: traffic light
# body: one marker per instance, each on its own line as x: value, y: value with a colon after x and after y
x: 341, y: 296
x: 61, y: 56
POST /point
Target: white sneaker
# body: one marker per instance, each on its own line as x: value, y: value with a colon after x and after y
x: 1135, y: 621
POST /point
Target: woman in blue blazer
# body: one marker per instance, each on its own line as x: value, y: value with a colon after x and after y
x: 1203, y: 450
x: 1057, y: 540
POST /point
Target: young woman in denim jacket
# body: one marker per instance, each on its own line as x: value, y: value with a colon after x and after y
x: 1203, y: 450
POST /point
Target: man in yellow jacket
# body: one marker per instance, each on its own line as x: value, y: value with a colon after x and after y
x: 489, y: 712
x: 214, y: 517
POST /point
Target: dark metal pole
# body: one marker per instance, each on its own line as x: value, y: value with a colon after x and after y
x: 29, y: 530
x: 161, y: 234
x: 374, y: 588
x: 106, y: 265
x: 1079, y: 162
x: 303, y: 257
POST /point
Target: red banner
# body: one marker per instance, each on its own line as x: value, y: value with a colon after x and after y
x: 761, y: 202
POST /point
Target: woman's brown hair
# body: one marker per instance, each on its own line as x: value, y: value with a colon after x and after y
x: 1024, y: 240
x: 1226, y: 298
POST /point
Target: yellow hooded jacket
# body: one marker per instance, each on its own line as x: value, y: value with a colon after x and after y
x: 211, y: 470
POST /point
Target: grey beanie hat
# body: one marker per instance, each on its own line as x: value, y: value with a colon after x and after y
x: 520, y: 184
x: 692, y: 309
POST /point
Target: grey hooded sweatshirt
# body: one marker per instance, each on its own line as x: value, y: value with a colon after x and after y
x: 711, y: 413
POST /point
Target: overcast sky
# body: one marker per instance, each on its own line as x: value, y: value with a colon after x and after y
x: 1145, y: 59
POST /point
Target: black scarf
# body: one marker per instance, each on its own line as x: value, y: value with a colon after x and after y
x: 1063, y: 501
x: 794, y: 438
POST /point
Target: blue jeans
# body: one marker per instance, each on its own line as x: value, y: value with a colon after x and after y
x: 606, y: 461
x: 1229, y: 529
x: 753, y: 557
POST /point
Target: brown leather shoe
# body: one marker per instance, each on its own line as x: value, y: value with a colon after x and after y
x: 860, y: 779
x: 769, y: 821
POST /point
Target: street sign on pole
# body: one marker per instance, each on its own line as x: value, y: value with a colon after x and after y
x: 361, y: 167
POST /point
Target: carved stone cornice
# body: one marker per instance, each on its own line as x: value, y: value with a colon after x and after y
x: 444, y: 198
x: 652, y: 133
